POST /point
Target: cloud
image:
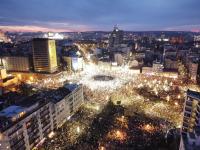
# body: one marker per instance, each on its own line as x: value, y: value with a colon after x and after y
x: 30, y: 29
x: 100, y: 14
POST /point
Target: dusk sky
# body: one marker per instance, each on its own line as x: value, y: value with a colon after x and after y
x: 101, y: 15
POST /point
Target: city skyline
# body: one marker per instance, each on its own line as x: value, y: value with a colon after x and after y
x: 96, y: 15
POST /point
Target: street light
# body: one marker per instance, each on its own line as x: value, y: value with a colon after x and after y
x: 168, y: 98
x: 97, y: 108
x: 78, y: 129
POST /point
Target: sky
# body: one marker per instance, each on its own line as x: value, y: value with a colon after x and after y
x: 99, y: 15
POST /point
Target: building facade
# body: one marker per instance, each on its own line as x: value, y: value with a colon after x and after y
x: 190, y: 131
x: 25, y: 127
x: 116, y: 37
x: 193, y: 67
x: 17, y: 63
x: 44, y: 55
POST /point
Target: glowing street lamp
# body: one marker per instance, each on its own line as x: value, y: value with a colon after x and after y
x: 168, y: 98
x: 97, y: 108
x: 78, y: 129
x: 102, y: 148
x: 31, y: 78
x: 19, y: 76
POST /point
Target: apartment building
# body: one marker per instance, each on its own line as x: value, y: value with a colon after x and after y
x: 27, y: 124
x: 190, y: 137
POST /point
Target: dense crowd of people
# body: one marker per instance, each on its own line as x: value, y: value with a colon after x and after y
x: 146, y: 113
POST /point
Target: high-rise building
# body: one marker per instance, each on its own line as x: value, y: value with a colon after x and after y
x: 190, y: 132
x: 116, y: 37
x: 44, y: 55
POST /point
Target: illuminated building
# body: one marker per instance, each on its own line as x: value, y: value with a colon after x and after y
x: 7, y: 80
x: 16, y: 63
x: 157, y: 66
x: 190, y: 138
x: 191, y: 111
x: 73, y: 60
x: 3, y: 74
x: 44, y: 55
x: 55, y: 36
x: 171, y: 63
x: 193, y: 67
x: 27, y: 124
x: 3, y: 37
x: 177, y: 40
x: 197, y: 41
x: 116, y: 37
x: 118, y: 58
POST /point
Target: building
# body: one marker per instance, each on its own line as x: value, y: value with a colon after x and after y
x: 193, y: 67
x: 66, y: 106
x: 4, y: 37
x: 7, y: 80
x: 119, y: 58
x: 26, y: 124
x: 116, y: 37
x: 170, y: 63
x: 73, y: 60
x: 197, y: 41
x: 157, y: 67
x: 190, y: 137
x: 55, y: 36
x: 44, y: 55
x: 17, y: 63
x: 3, y: 74
x: 147, y: 70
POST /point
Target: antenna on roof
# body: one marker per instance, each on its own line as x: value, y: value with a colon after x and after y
x: 116, y: 27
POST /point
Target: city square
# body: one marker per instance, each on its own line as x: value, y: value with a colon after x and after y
x: 99, y: 75
x: 138, y: 97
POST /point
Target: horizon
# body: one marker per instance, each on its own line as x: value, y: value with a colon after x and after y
x: 99, y: 15
x: 21, y: 31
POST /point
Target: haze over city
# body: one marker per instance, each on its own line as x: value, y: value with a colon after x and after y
x: 99, y: 15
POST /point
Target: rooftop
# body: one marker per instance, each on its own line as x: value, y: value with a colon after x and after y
x: 12, y: 111
x: 60, y: 93
x: 71, y: 87
x: 193, y: 94
x: 33, y: 103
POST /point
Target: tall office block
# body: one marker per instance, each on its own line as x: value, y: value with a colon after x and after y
x: 44, y: 55
x: 116, y: 37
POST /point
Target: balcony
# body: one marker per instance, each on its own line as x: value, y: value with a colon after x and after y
x: 188, y: 103
x: 20, y: 146
x: 187, y: 115
x: 44, y: 112
x: 15, y: 130
x: 188, y: 109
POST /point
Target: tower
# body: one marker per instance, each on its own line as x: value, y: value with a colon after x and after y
x: 44, y: 55
x: 116, y: 37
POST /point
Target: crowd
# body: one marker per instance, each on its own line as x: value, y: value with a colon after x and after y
x: 150, y: 106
